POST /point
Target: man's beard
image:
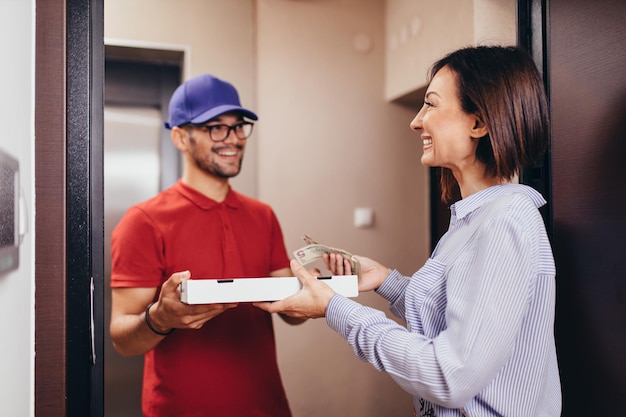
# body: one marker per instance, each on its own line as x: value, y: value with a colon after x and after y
x: 213, y: 168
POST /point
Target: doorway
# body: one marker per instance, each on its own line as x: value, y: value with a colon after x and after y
x: 139, y: 161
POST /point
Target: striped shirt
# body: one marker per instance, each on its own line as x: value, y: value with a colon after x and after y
x: 479, y: 335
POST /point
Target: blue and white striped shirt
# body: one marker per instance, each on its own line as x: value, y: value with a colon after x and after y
x: 479, y: 336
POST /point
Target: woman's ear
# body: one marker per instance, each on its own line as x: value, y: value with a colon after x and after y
x: 480, y: 128
x: 179, y: 138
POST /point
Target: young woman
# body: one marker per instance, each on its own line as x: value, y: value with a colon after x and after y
x: 479, y: 335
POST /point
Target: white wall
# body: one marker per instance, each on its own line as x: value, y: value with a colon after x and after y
x: 17, y: 19
x: 419, y: 32
x: 329, y: 143
x: 495, y: 22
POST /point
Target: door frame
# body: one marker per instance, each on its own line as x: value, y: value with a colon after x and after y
x: 69, y: 74
x: 532, y: 17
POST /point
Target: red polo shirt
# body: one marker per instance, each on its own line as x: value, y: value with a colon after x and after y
x: 229, y: 367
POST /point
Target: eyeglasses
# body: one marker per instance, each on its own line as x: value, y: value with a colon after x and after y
x: 219, y: 132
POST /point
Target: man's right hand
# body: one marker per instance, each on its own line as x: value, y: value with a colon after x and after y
x: 129, y: 331
x: 170, y: 313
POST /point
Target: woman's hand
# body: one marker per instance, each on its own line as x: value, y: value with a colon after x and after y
x: 372, y: 273
x: 310, y: 302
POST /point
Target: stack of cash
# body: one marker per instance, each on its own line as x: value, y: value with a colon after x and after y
x: 314, y: 251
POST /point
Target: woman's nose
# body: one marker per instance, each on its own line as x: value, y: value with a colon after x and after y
x: 416, y: 123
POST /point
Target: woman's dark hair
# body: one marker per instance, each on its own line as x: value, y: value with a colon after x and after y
x: 501, y: 86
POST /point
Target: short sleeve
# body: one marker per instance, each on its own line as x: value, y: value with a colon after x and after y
x: 137, y: 258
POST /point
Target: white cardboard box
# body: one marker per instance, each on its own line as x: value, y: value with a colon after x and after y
x: 208, y: 291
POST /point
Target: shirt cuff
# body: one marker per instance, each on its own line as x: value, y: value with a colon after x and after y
x: 338, y: 312
x: 393, y: 286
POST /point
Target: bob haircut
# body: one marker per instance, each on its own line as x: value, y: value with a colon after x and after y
x: 503, y: 88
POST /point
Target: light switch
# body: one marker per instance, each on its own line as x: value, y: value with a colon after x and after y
x: 363, y: 217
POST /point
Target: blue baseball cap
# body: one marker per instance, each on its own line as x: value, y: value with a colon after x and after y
x: 203, y: 98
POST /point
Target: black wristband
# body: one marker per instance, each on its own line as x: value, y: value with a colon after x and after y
x: 147, y: 316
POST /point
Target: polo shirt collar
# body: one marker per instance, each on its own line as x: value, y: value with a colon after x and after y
x: 204, y: 202
x: 467, y: 205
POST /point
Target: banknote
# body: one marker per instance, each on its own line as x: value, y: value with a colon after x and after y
x: 314, y: 251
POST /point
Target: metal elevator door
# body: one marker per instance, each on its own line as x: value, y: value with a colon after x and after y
x: 139, y: 161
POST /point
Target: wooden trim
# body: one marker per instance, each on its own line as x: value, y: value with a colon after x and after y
x: 50, y: 224
x: 69, y: 81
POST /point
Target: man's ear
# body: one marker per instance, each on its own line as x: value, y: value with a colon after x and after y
x: 179, y: 138
x: 480, y: 128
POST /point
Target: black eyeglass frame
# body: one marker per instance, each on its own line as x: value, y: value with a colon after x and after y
x: 241, y: 134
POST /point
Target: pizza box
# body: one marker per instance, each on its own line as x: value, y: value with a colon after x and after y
x: 208, y: 291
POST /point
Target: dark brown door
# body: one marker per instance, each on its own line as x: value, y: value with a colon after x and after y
x: 587, y: 76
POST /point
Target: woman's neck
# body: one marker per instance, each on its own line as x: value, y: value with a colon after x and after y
x: 473, y: 181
